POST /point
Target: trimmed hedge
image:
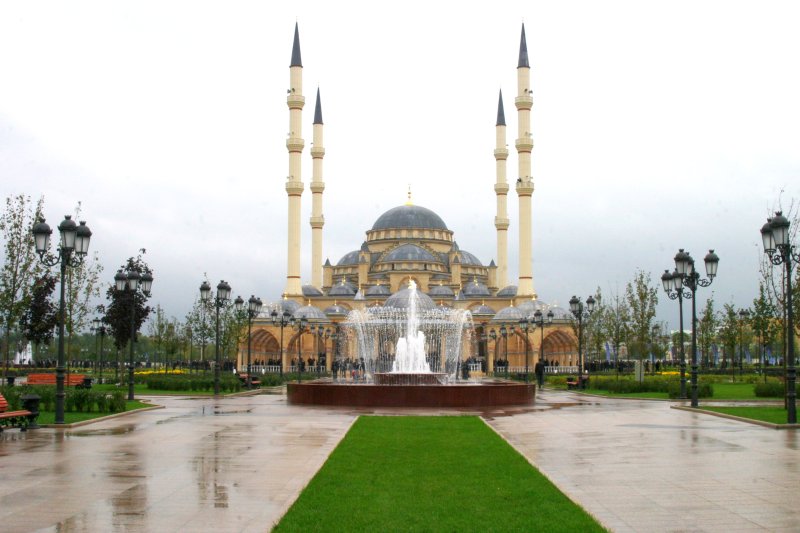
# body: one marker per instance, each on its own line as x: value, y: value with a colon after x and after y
x: 76, y: 400
x: 188, y: 382
x: 772, y: 389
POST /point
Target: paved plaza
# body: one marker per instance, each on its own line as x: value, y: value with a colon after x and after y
x: 237, y: 464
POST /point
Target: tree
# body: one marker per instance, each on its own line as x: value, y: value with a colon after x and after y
x: 729, y: 332
x: 615, y: 323
x: 157, y: 330
x: 118, y: 311
x: 707, y: 326
x: 20, y: 266
x: 764, y: 320
x: 82, y: 289
x: 201, y: 319
x: 642, y: 298
x: 39, y: 322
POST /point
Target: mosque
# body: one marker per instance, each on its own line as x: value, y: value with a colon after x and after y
x: 411, y: 242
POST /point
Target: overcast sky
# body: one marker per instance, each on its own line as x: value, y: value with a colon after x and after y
x: 655, y: 125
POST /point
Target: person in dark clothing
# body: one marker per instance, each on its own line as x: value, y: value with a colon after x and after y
x: 538, y: 369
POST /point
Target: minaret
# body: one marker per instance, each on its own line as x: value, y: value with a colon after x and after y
x: 294, y: 181
x: 501, y: 189
x: 317, y: 186
x: 524, y: 145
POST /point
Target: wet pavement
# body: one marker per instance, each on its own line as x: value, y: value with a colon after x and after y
x: 237, y: 464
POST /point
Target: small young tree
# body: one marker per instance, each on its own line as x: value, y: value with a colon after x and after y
x: 39, y: 322
x: 707, y: 326
x: 120, y: 303
x: 20, y: 266
x: 729, y: 332
x: 764, y: 321
x: 642, y: 298
x: 615, y: 323
x: 157, y: 330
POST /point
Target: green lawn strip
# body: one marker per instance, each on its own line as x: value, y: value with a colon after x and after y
x: 139, y: 389
x: 771, y: 414
x: 722, y: 391
x: 645, y: 395
x: 49, y: 417
x: 430, y: 474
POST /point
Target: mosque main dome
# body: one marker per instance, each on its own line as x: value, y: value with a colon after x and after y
x: 409, y: 216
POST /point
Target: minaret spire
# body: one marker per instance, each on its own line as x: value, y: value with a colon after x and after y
x: 524, y: 145
x: 294, y: 181
x: 317, y: 187
x: 501, y: 190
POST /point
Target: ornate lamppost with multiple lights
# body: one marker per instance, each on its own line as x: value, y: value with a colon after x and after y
x: 281, y: 320
x: 576, y: 307
x: 71, y: 251
x: 300, y: 327
x: 100, y: 330
x: 221, y: 299
x: 690, y: 278
x: 253, y: 309
x: 524, y: 325
x: 779, y: 248
x: 744, y: 315
x: 673, y: 286
x: 540, y: 320
x: 129, y: 283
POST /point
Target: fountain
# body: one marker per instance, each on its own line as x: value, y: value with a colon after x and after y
x: 407, y: 352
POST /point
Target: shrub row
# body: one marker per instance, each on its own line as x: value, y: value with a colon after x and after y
x: 76, y: 400
x: 227, y: 382
x: 772, y: 389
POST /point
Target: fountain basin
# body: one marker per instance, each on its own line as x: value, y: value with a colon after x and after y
x: 396, y: 378
x: 480, y: 395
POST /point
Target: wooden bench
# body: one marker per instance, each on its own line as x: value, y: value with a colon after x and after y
x: 19, y: 419
x: 254, y: 381
x: 70, y: 380
x: 576, y: 383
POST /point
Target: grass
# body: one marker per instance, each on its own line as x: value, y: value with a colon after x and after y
x: 646, y: 395
x: 722, y: 391
x: 773, y: 415
x: 49, y: 417
x: 430, y: 474
x: 141, y: 389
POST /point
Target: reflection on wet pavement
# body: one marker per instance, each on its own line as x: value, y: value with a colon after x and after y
x: 236, y: 464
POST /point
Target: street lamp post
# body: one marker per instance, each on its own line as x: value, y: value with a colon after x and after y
x: 524, y: 325
x: 220, y: 300
x: 778, y: 246
x: 576, y: 307
x: 744, y: 314
x: 130, y: 283
x: 71, y: 251
x: 300, y: 326
x: 100, y: 331
x: 253, y: 309
x: 539, y: 321
x: 673, y: 286
x: 504, y: 332
x: 689, y: 277
x: 493, y: 335
x: 283, y: 319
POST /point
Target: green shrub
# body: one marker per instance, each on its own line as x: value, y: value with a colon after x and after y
x: 772, y: 389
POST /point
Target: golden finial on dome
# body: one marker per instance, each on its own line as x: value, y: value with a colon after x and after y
x: 408, y: 202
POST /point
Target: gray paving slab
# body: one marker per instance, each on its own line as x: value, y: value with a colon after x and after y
x: 236, y: 464
x: 641, y: 466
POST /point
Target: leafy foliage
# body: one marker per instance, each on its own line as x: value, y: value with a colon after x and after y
x: 642, y: 298
x: 707, y: 326
x: 41, y: 317
x: 118, y: 311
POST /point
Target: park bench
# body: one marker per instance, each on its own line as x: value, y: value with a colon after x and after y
x: 71, y: 380
x: 22, y: 419
x: 254, y: 381
x: 575, y: 383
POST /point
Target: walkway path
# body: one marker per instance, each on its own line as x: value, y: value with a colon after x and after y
x: 236, y: 464
x: 641, y: 466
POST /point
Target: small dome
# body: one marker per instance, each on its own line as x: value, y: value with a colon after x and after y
x: 529, y: 307
x: 508, y: 314
x: 476, y: 289
x: 409, y: 216
x: 441, y: 291
x: 342, y: 289
x: 336, y: 310
x: 309, y: 312
x: 310, y: 290
x: 289, y: 306
x: 409, y: 252
x: 401, y: 298
x: 469, y: 259
x: 379, y: 290
x: 559, y: 313
x: 482, y: 310
x: 350, y: 258
x: 507, y: 292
